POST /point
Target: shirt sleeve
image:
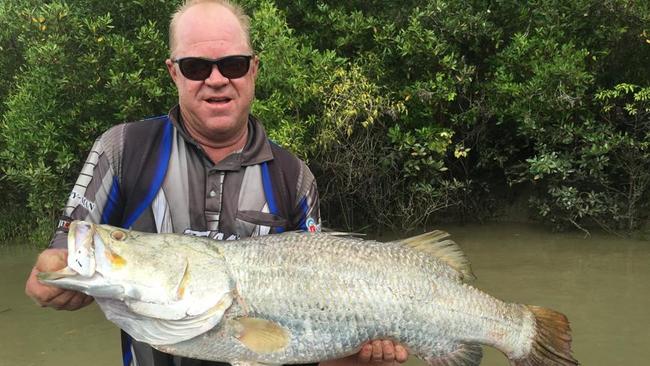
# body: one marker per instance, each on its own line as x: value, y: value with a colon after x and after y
x: 307, y: 210
x: 96, y: 188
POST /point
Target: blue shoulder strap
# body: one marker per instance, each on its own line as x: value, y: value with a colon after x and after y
x: 268, y: 192
x: 160, y: 169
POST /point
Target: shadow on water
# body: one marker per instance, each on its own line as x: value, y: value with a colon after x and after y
x: 600, y: 283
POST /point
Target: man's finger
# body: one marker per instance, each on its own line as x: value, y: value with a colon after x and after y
x: 388, y: 350
x: 62, y: 300
x: 87, y: 301
x: 365, y: 353
x: 78, y: 301
x: 377, y: 352
x: 40, y: 293
x: 401, y: 354
x: 51, y: 260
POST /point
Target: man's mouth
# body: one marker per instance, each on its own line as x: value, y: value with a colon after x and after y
x: 220, y: 100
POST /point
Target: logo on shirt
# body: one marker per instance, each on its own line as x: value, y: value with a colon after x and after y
x: 216, y: 235
x: 312, y: 226
x: 64, y: 224
x: 76, y: 197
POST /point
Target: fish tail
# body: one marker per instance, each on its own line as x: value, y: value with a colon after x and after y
x: 552, y: 340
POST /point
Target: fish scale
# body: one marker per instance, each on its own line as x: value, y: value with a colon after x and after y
x: 307, y: 297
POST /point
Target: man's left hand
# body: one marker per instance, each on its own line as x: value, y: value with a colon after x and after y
x: 384, y: 351
x: 379, y: 352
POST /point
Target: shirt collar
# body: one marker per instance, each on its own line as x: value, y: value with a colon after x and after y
x: 257, y: 149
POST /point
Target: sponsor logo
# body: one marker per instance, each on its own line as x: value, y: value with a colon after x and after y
x: 63, y: 225
x: 311, y: 225
x: 210, y: 234
x: 76, y: 197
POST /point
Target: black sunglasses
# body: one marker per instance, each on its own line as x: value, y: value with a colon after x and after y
x: 198, y: 68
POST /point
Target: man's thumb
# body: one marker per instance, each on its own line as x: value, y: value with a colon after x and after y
x: 51, y: 260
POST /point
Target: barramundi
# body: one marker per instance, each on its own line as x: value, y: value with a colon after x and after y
x: 302, y: 297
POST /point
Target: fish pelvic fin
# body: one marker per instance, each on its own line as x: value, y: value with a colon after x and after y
x: 464, y: 355
x: 552, y: 341
x: 437, y: 244
x: 261, y: 335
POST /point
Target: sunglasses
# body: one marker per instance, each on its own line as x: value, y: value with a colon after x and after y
x: 198, y: 68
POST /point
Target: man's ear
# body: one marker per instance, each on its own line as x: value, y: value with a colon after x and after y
x: 255, y: 65
x: 173, y: 71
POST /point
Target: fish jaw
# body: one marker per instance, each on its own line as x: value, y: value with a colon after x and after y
x: 81, y: 252
x: 94, y: 285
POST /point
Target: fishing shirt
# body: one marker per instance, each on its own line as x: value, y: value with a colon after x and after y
x: 152, y: 176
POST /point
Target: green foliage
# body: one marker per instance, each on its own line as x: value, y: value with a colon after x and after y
x: 408, y: 112
x: 80, y: 75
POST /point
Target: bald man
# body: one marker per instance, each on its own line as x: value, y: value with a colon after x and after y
x: 206, y: 168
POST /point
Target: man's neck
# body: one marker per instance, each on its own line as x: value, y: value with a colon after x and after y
x: 217, y: 152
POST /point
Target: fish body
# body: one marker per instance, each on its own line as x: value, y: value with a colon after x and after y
x: 305, y: 297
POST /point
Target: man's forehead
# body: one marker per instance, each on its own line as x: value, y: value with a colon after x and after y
x: 209, y: 23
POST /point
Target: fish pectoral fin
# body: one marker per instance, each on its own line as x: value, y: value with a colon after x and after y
x: 437, y: 244
x: 185, y: 279
x: 261, y: 335
x: 464, y: 355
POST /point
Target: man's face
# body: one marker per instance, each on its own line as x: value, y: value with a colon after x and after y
x: 215, y: 110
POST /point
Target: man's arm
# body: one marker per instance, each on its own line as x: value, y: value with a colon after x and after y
x: 86, y: 202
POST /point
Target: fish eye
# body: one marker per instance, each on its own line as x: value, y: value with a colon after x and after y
x: 118, y: 235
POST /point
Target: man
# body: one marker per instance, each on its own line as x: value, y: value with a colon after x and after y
x: 207, y: 168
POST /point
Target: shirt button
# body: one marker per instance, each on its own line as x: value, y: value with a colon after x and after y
x: 212, y: 193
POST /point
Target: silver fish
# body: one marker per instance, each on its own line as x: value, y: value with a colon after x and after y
x: 302, y: 297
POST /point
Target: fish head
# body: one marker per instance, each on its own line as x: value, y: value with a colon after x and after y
x: 155, y: 275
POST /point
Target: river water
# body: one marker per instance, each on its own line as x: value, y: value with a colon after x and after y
x: 602, y: 284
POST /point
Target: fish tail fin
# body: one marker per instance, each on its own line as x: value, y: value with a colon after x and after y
x: 552, y: 341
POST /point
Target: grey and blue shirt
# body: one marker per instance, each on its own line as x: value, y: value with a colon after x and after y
x: 152, y: 176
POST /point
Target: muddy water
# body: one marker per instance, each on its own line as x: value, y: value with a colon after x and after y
x: 601, y: 283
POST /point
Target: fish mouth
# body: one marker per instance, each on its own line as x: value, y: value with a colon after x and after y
x: 81, y: 248
x: 68, y: 279
x: 66, y: 272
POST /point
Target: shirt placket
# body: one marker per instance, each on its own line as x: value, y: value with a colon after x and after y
x: 213, y: 198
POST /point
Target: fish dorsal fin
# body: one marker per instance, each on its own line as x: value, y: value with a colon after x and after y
x: 438, y: 244
x: 261, y: 335
x: 464, y: 355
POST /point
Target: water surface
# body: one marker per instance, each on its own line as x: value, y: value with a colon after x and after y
x: 601, y: 283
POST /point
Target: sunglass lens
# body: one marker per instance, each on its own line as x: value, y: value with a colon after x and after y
x: 234, y: 67
x: 195, y: 68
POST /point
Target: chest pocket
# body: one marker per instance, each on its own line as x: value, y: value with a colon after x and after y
x: 256, y: 223
x: 259, y: 207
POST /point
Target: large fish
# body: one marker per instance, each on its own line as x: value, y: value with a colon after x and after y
x: 302, y: 297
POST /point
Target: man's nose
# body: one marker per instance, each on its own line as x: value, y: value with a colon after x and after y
x: 216, y: 78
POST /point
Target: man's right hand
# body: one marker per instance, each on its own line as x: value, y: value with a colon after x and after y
x: 51, y: 260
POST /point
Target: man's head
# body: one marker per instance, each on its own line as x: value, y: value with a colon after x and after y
x: 244, y: 20
x: 215, y: 108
